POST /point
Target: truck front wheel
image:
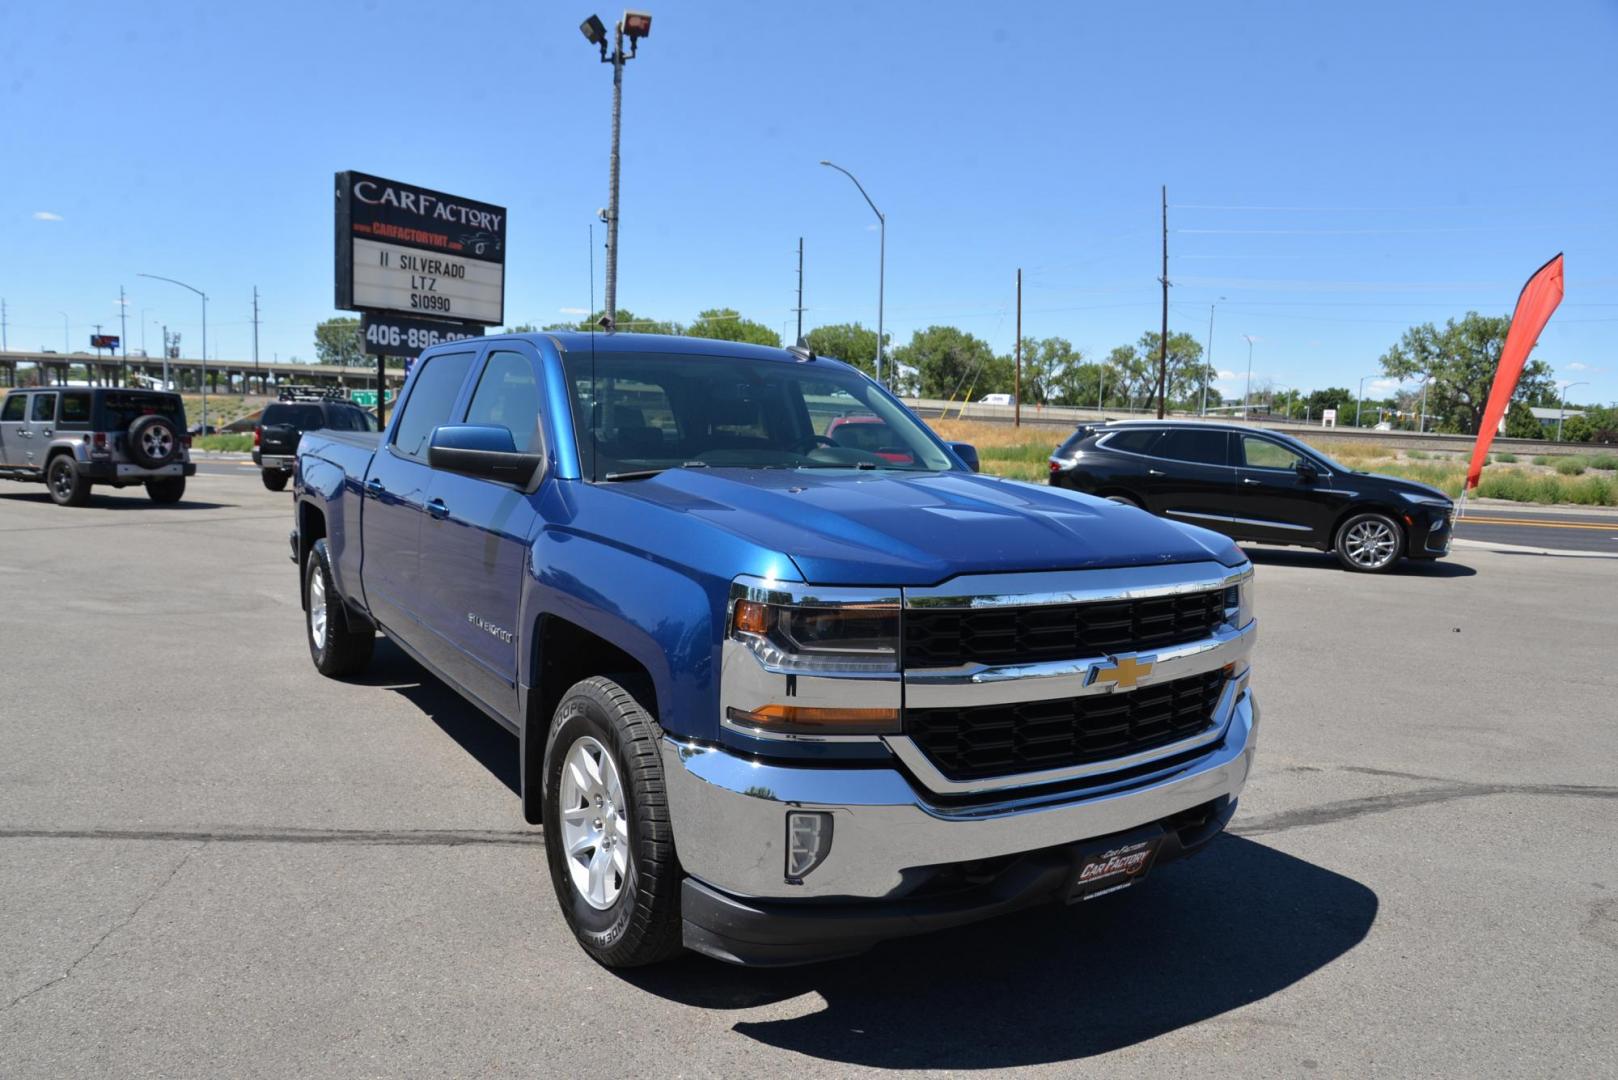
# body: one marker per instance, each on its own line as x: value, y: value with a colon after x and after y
x: 336, y: 648
x: 607, y: 834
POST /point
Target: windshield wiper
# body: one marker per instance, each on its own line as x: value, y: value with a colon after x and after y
x: 644, y: 474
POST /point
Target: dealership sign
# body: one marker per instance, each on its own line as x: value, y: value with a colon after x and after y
x: 412, y: 251
x: 394, y: 335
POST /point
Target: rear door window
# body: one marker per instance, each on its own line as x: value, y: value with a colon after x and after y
x: 437, y: 384
x: 1198, y: 447
x: 44, y: 408
x: 1134, y: 440
x: 75, y: 409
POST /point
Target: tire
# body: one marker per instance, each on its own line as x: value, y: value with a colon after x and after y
x: 274, y: 479
x: 66, y: 486
x: 1369, y: 543
x: 337, y: 648
x: 152, y: 441
x: 633, y: 918
x: 166, y: 491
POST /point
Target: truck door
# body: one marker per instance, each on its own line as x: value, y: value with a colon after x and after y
x: 476, y: 537
x: 1282, y: 496
x: 1191, y: 477
x: 395, y: 497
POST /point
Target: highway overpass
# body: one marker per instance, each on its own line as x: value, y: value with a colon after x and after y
x: 223, y: 376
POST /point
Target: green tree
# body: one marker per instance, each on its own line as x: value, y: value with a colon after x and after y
x: 849, y: 342
x: 338, y: 341
x: 1578, y: 429
x: 1045, y: 364
x: 727, y: 324
x: 520, y: 328
x: 1340, y: 398
x: 1520, y: 423
x: 1462, y: 358
x: 628, y: 322
x: 1186, y: 370
x: 947, y: 361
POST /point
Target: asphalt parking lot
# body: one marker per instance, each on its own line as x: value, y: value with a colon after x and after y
x: 214, y: 862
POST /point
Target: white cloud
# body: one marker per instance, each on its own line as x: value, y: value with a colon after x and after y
x: 46, y: 215
x: 1226, y: 375
x: 1576, y: 366
x: 1385, y: 384
x: 574, y: 311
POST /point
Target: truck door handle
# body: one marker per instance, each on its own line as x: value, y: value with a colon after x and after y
x: 437, y: 509
x: 1155, y: 472
x: 1250, y: 480
x: 375, y: 489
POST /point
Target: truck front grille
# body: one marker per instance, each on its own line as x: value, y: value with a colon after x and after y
x: 999, y: 740
x: 948, y: 637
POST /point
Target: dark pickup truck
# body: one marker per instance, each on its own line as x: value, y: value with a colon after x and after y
x: 281, y: 425
x: 777, y: 697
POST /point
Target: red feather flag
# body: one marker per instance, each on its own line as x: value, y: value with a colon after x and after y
x: 1534, y: 306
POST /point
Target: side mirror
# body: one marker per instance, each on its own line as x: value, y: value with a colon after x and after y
x: 484, y: 451
x: 1307, y: 470
x: 967, y: 453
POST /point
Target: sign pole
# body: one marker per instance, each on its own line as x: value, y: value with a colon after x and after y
x: 381, y: 391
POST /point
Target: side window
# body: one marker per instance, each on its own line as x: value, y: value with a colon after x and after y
x: 1134, y: 440
x: 1190, y: 444
x: 15, y: 407
x: 75, y: 408
x: 44, y: 407
x: 438, y: 384
x: 508, y: 396
x: 1264, y: 454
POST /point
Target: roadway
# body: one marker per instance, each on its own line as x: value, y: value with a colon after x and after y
x: 214, y: 862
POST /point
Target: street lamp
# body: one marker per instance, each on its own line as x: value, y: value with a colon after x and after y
x: 1563, y: 410
x: 1207, y: 365
x: 635, y: 25
x: 881, y: 261
x: 1247, y: 394
x: 67, y: 345
x: 199, y: 292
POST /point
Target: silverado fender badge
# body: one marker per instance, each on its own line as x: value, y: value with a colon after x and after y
x: 1123, y: 673
x: 488, y: 627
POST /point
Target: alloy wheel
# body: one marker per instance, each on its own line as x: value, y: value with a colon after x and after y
x: 595, y: 823
x: 317, y: 608
x: 1370, y: 544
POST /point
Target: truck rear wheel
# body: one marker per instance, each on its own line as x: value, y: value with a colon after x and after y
x: 66, y: 486
x: 169, y: 489
x: 274, y: 479
x: 336, y: 648
x: 608, y: 838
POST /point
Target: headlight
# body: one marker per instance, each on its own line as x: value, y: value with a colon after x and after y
x: 1426, y: 500
x: 850, y: 637
x: 1239, y: 601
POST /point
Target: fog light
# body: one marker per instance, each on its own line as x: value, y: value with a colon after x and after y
x: 808, y: 843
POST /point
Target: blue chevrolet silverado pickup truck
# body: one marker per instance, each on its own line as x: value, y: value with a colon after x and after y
x: 780, y: 696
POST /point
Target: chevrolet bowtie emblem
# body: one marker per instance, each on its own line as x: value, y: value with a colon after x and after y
x: 1123, y: 674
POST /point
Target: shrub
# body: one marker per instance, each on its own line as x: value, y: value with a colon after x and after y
x: 1570, y: 466
x: 1543, y: 459
x: 1418, y: 455
x: 1506, y: 459
x: 1604, y: 461
x: 236, y: 443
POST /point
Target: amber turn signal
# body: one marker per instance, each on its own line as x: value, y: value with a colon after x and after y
x: 752, y: 617
x: 801, y: 720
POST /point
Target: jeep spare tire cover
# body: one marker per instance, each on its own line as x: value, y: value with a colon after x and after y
x: 153, y: 441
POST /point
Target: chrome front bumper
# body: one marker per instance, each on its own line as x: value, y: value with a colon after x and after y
x: 729, y: 814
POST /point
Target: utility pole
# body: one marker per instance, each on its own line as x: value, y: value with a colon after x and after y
x: 166, y: 384
x: 123, y: 338
x: 799, y: 339
x: 3, y: 345
x: 256, y: 374
x: 1163, y: 342
x: 1016, y: 385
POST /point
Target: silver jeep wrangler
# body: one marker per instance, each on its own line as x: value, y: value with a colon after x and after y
x: 71, y: 437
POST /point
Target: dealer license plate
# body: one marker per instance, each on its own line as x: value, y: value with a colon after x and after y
x: 1116, y: 866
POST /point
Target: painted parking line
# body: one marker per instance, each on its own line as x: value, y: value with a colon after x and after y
x: 1534, y: 522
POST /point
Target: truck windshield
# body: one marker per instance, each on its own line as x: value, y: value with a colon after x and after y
x: 637, y: 413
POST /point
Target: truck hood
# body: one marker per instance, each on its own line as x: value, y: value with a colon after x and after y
x: 848, y: 527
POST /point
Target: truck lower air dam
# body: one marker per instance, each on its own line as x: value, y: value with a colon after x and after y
x: 808, y: 843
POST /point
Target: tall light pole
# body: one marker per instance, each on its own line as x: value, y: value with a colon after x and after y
x: 1563, y: 410
x: 1359, y: 401
x: 881, y: 261
x: 1426, y: 381
x: 67, y: 346
x: 636, y: 25
x: 1247, y: 394
x: 204, y: 380
x: 1207, y: 365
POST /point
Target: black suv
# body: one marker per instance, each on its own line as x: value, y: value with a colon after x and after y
x: 1259, y: 486
x: 71, y: 437
x: 275, y: 438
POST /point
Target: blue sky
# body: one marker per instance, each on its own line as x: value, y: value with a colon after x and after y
x: 1336, y: 172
